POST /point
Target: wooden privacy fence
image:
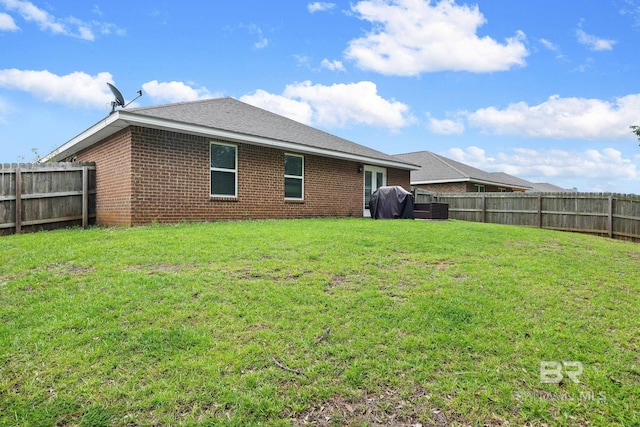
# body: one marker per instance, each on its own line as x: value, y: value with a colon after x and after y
x: 607, y: 214
x: 46, y: 196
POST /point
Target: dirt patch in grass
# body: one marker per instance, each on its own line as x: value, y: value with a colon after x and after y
x: 386, y: 408
x: 58, y: 269
x: 274, y: 275
x: 338, y: 280
x: 161, y: 268
x: 68, y: 268
x: 442, y: 265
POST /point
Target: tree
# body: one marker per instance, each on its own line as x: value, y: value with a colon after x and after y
x: 636, y: 130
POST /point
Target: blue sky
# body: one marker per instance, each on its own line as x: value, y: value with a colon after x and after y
x: 545, y: 90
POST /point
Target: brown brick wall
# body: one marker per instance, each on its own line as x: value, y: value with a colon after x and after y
x: 113, y: 178
x: 170, y: 182
x: 399, y: 177
x: 446, y: 187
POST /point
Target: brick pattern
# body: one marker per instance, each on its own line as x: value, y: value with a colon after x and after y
x: 113, y: 178
x: 146, y: 175
x: 446, y: 187
x: 399, y: 177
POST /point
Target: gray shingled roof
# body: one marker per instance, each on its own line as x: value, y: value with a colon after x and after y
x: 236, y: 116
x: 234, y: 120
x: 436, y: 168
x: 545, y: 187
x: 512, y: 180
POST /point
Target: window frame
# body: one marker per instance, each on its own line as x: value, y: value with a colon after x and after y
x: 479, y: 188
x: 300, y: 177
x: 234, y: 171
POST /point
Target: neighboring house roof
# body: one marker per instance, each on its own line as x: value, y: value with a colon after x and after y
x: 535, y: 187
x: 233, y: 120
x: 512, y: 180
x: 439, y: 169
x: 545, y: 187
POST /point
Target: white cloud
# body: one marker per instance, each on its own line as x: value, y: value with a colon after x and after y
x: 262, y: 41
x: 334, y: 65
x: 540, y: 164
x: 299, y: 111
x: 446, y: 127
x: 47, y: 22
x: 174, y: 92
x: 319, y: 6
x: 632, y: 9
x: 410, y: 37
x: 107, y: 28
x: 553, y: 48
x: 594, y: 43
x: 335, y: 105
x: 77, y: 89
x: 564, y: 118
x: 7, y: 23
x: 32, y: 13
x: 549, y: 45
x: 302, y: 61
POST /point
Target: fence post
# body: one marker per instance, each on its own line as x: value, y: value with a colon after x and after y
x: 539, y: 210
x: 484, y: 208
x: 85, y: 196
x: 610, y: 217
x: 18, y: 200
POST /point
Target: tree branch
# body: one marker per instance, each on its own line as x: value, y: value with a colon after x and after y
x: 284, y: 368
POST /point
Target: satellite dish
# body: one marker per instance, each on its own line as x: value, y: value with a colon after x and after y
x: 119, y: 99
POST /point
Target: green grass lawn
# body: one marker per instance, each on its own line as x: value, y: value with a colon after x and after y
x: 319, y: 322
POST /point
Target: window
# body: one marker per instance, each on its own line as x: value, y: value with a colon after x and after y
x: 502, y: 190
x: 478, y: 188
x: 224, y: 170
x: 293, y: 176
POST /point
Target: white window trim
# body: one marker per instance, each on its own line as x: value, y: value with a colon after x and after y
x: 300, y: 177
x: 235, y: 171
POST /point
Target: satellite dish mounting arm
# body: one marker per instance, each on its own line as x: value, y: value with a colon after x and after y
x: 119, y: 99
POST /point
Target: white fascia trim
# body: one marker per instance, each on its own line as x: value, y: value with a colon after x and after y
x: 121, y: 119
x: 439, y: 181
x: 109, y: 125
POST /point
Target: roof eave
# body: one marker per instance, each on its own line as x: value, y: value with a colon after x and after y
x: 122, y: 119
x: 103, y: 129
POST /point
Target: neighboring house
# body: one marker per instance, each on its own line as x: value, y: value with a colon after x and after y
x: 443, y: 175
x: 535, y: 187
x: 224, y: 159
x: 545, y: 187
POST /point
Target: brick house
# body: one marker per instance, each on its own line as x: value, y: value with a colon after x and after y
x: 224, y: 159
x: 440, y: 174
